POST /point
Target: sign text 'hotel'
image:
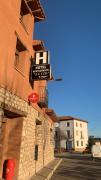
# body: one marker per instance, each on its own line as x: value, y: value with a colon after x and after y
x: 41, y: 68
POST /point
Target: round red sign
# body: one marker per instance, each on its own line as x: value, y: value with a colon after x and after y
x: 33, y: 97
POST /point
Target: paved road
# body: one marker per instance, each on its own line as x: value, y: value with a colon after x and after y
x: 77, y: 167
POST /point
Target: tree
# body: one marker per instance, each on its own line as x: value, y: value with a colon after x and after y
x: 90, y: 142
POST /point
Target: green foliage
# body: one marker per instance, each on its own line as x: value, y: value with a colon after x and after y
x: 90, y: 143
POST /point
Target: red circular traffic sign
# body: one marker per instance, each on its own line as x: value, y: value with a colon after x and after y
x: 33, y: 97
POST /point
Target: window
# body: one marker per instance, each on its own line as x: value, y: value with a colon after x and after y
x: 20, y: 54
x: 76, y: 133
x: 76, y: 124
x: 51, y: 136
x: 77, y: 143
x: 56, y: 134
x: 81, y: 143
x: 80, y: 125
x: 68, y: 134
x: 36, y: 152
x: 67, y: 123
x: 24, y: 14
x: 81, y: 134
x: 0, y: 127
x: 38, y: 122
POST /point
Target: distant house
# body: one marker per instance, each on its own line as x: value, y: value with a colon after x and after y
x: 71, y: 134
x: 95, y: 140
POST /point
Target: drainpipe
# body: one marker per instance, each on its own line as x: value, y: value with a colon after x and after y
x: 59, y: 140
x: 43, y: 140
x: 1, y: 145
x: 73, y: 137
x: 44, y: 143
x: 35, y: 144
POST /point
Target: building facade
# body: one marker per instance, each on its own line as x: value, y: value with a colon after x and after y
x: 71, y: 134
x: 26, y: 131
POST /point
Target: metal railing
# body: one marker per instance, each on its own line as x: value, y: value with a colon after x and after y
x: 43, y: 96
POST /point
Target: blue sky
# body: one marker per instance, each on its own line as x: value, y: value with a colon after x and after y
x: 72, y: 34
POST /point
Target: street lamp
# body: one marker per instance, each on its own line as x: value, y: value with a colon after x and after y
x: 58, y: 79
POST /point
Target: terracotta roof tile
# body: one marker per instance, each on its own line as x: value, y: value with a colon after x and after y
x: 66, y: 118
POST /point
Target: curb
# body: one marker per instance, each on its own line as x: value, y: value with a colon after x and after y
x: 47, y: 172
x: 50, y: 175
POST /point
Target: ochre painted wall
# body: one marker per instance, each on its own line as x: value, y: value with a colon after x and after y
x: 10, y: 29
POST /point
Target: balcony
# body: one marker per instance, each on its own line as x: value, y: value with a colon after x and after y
x: 32, y: 7
x: 43, y: 97
x: 36, y: 9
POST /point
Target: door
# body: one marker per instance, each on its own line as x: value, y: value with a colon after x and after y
x: 11, y: 141
x: 68, y: 145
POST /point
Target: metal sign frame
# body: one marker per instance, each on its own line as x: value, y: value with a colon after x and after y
x: 41, y: 69
x: 40, y: 72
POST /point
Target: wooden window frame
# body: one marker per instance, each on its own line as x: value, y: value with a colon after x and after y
x: 19, y: 49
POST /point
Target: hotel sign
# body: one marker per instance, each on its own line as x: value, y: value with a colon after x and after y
x: 41, y: 72
x: 41, y: 69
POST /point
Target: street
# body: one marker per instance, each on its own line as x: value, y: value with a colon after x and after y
x: 77, y: 166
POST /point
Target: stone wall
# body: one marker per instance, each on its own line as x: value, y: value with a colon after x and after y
x: 1, y: 114
x: 32, y: 134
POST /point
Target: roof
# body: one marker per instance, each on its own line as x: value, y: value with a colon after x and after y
x: 38, y: 45
x: 67, y: 118
x: 97, y: 139
x: 36, y: 9
x: 51, y: 114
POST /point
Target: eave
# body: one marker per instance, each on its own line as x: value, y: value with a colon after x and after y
x: 67, y: 118
x: 38, y: 45
x: 51, y: 114
x: 36, y: 10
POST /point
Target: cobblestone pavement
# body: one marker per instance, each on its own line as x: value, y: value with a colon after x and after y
x: 77, y: 167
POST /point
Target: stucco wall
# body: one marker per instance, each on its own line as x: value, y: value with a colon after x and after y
x: 75, y: 134
x: 15, y: 88
x: 11, y: 28
x: 63, y: 130
x: 84, y: 130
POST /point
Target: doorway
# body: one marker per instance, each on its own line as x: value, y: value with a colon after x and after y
x: 10, y: 139
x: 68, y: 145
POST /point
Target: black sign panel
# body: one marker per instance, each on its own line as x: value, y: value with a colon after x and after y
x: 40, y: 72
